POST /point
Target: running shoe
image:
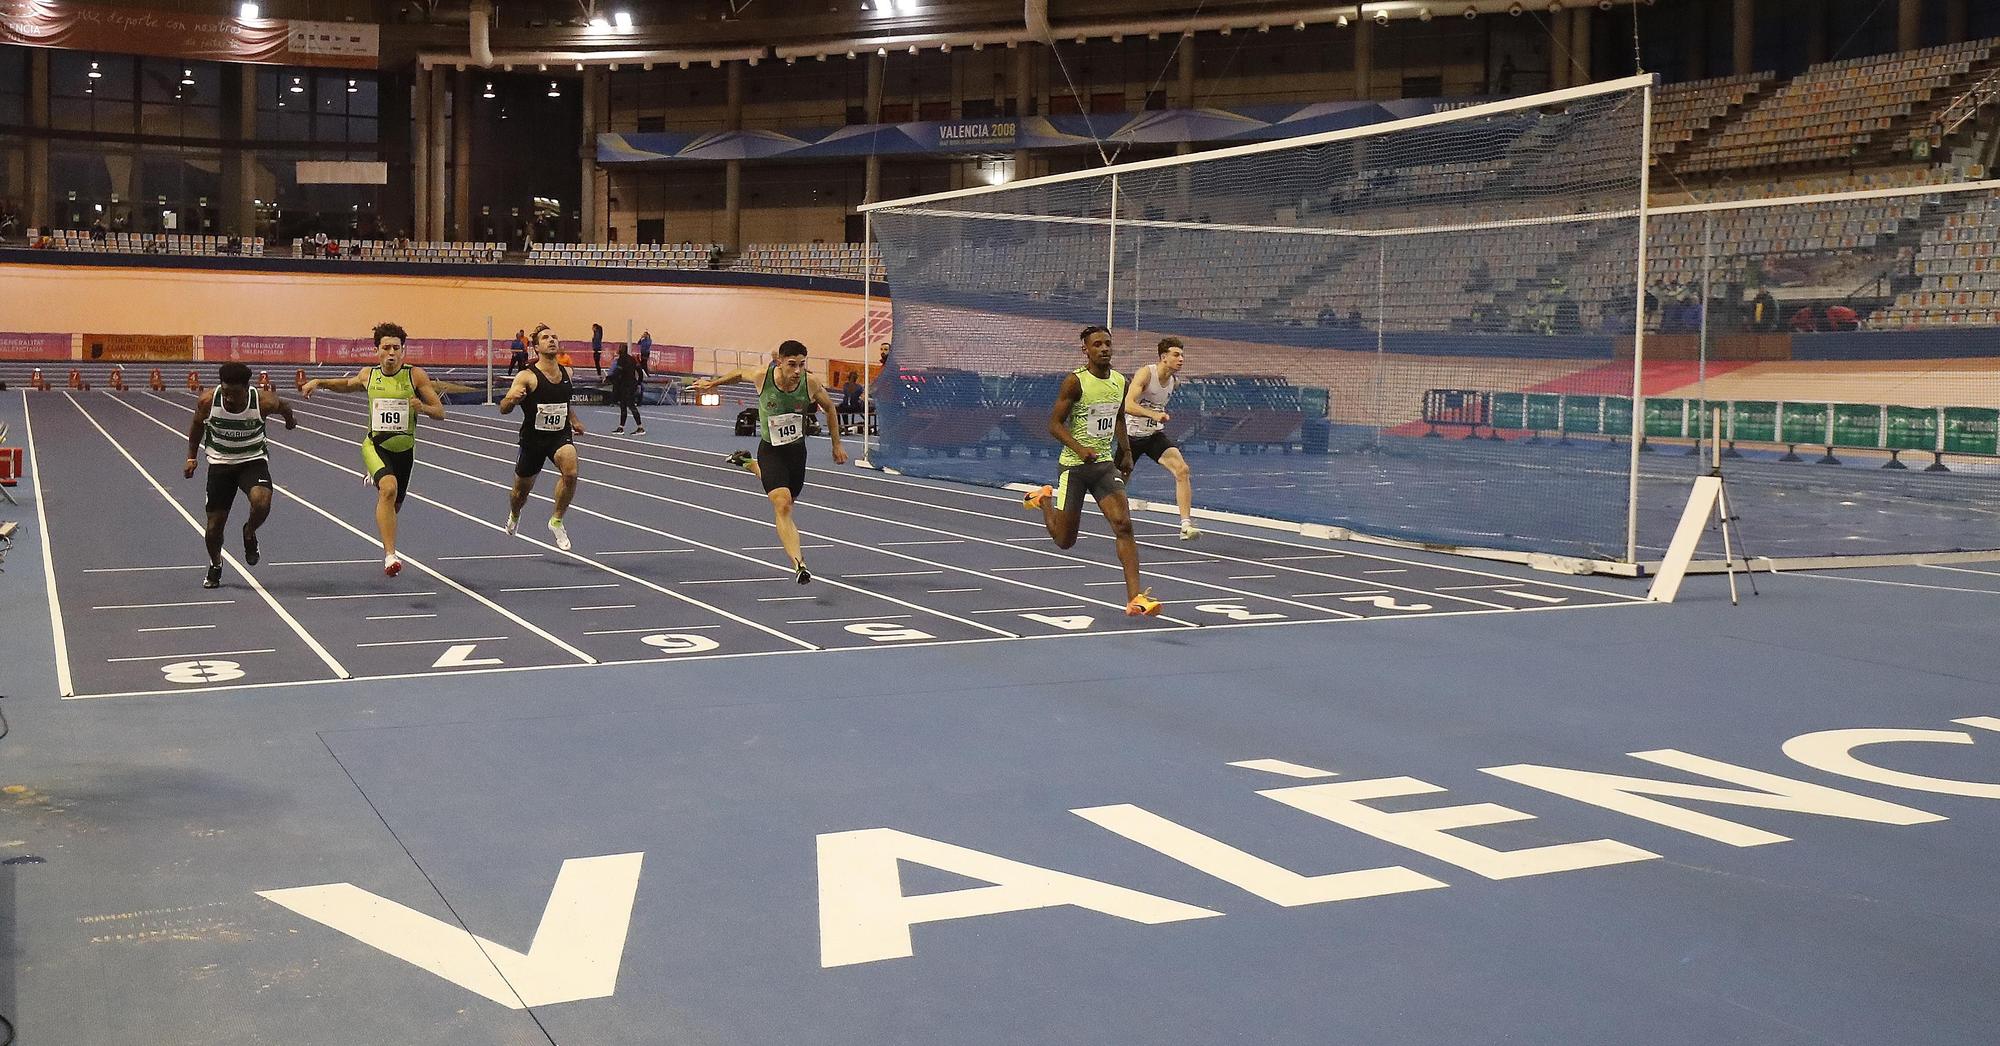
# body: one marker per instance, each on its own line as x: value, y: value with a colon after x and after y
x: 740, y: 459
x: 640, y: 431
x: 801, y: 574
x: 617, y: 430
x: 1142, y: 605
x: 1033, y: 502
x: 250, y: 554
x: 513, y: 524
x: 391, y: 565
x: 213, y: 579
x: 561, y: 532
x: 1189, y: 531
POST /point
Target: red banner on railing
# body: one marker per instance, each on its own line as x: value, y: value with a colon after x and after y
x: 180, y: 34
x: 34, y: 346
x: 256, y: 348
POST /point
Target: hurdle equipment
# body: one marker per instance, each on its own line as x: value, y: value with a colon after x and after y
x: 118, y: 378
x: 299, y: 379
x: 194, y: 381
x: 75, y: 378
x: 156, y: 381
x: 36, y: 381
x: 264, y: 381
x: 10, y: 471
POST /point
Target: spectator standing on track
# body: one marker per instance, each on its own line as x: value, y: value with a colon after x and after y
x: 396, y: 394
x: 1088, y: 419
x: 850, y: 401
x: 625, y: 390
x: 229, y: 422
x: 517, y: 361
x: 645, y: 360
x: 548, y: 427
x: 597, y: 349
x: 785, y: 394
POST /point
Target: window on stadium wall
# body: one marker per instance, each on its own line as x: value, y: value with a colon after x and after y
x: 315, y: 115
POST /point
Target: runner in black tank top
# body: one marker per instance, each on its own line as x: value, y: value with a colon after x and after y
x: 543, y: 392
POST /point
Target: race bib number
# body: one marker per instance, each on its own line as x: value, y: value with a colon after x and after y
x: 551, y: 417
x: 1103, y: 420
x: 1140, y: 425
x: 390, y: 415
x: 786, y: 428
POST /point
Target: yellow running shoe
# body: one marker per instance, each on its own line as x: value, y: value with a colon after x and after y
x: 1033, y: 502
x: 1143, y: 605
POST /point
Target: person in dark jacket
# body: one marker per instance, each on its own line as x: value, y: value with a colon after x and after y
x: 625, y: 390
x: 597, y: 348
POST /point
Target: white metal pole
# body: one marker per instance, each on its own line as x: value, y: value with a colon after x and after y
x: 489, y: 359
x: 1381, y: 361
x: 1639, y: 329
x: 867, y: 324
x: 1111, y: 262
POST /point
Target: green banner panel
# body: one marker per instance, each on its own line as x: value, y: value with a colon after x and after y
x: 1803, y: 423
x: 1972, y: 430
x: 1755, y: 421
x: 1583, y: 414
x: 1509, y: 410
x: 1857, y: 425
x: 1666, y: 417
x: 1911, y: 428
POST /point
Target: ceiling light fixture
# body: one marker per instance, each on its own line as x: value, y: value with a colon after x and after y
x: 554, y: 91
x: 488, y: 93
x: 623, y: 20
x: 298, y: 85
x: 95, y: 73
x: 247, y: 12
x: 187, y: 78
x: 352, y: 87
x: 600, y: 23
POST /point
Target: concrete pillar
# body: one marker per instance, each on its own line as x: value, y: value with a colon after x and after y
x: 434, y: 158
x: 1024, y: 104
x: 592, y: 182
x: 239, y: 208
x: 461, y: 156
x: 420, y: 155
x: 1184, y: 63
x: 732, y: 171
x: 1579, y: 47
x: 1816, y: 43
x: 877, y: 67
x: 41, y: 210
x: 1909, y: 24
x: 1559, y: 56
x: 1957, y: 21
x: 1745, y: 38
x: 1364, y: 57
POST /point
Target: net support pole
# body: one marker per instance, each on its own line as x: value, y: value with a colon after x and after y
x: 1381, y: 361
x: 1111, y: 257
x: 1639, y: 329
x: 1701, y: 353
x: 867, y: 325
x: 489, y: 359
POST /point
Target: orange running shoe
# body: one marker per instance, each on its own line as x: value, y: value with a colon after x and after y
x: 1143, y: 605
x: 1033, y: 502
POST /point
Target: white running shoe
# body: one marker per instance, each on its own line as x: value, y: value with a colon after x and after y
x: 1188, y: 530
x: 561, y: 533
x: 392, y: 565
x: 513, y: 524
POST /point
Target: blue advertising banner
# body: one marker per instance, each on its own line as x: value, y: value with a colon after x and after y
x: 1010, y: 134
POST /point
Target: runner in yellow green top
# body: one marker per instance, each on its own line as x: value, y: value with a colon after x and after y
x: 1089, y: 421
x: 786, y: 397
x: 396, y: 394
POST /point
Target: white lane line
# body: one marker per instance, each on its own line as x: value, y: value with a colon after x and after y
x: 656, y: 628
x: 434, y: 642
x: 173, y: 628
x: 1285, y: 559
x: 134, y: 570
x: 1898, y: 584
x: 738, y: 581
x: 1356, y: 592
x: 357, y: 532
x: 505, y: 555
x: 737, y: 489
x: 836, y: 620
x: 936, y: 541
x: 578, y: 556
x: 1473, y: 588
x: 1285, y: 767
x: 1960, y: 570
x: 378, y: 595
x: 325, y: 655
x: 559, y: 588
x: 158, y: 606
x: 1392, y: 570
x: 65, y: 686
x: 1251, y: 577
x: 192, y: 657
x: 607, y: 606
x: 643, y: 552
x: 783, y: 599
x: 1025, y: 610
x: 396, y: 617
x: 943, y: 591
x: 322, y: 562
x: 1104, y: 584
x: 893, y: 573
x: 1037, y: 537
x: 1051, y: 566
x: 781, y: 548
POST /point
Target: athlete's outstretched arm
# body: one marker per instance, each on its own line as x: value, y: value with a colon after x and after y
x: 271, y: 403
x: 428, y: 403
x: 357, y: 383
x: 195, y: 431
x: 832, y: 420
x: 515, y: 392
x: 1072, y: 390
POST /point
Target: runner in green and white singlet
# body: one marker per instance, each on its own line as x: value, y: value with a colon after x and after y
x: 1089, y: 421
x: 786, y: 396
x: 396, y: 395
x: 229, y: 422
